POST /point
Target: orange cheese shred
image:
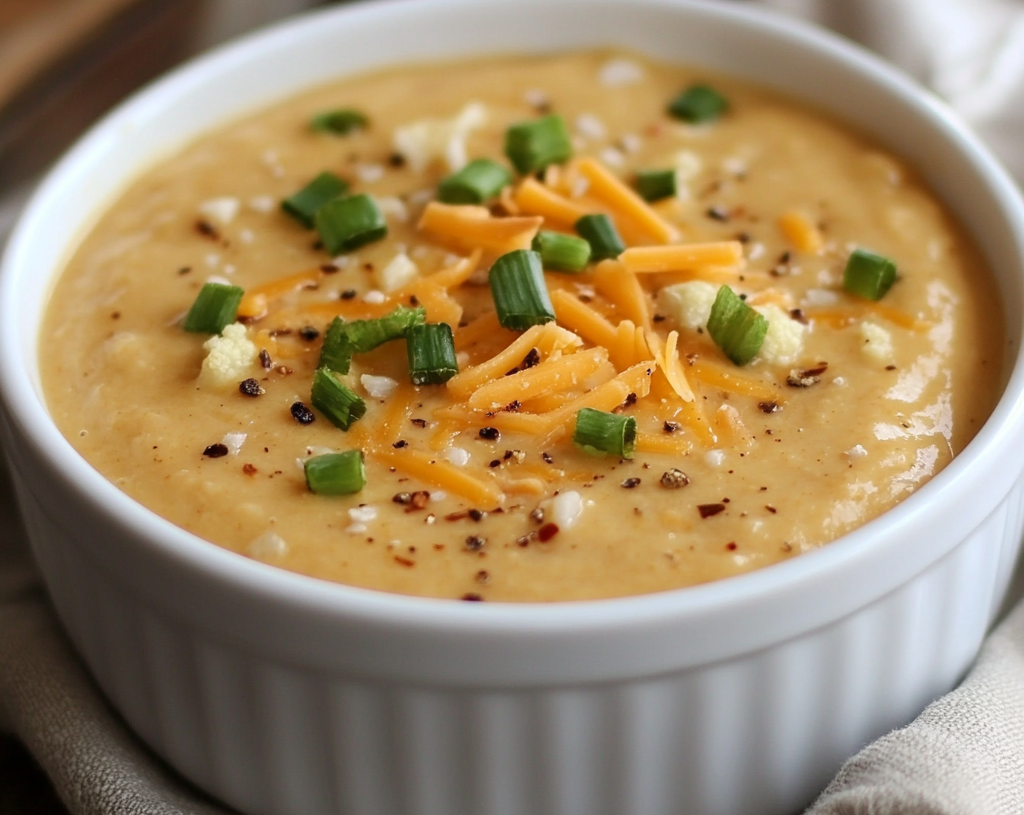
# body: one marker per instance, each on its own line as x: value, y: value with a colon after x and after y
x: 663, y: 443
x: 624, y: 202
x: 473, y: 227
x: 397, y: 411
x: 801, y: 232
x: 719, y: 256
x: 545, y: 338
x: 577, y: 316
x: 442, y: 475
x: 256, y: 300
x: 550, y: 376
x: 720, y: 377
x: 667, y: 355
x: 534, y: 198
x: 623, y: 290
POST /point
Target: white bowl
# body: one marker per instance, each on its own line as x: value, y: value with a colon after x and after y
x: 282, y: 694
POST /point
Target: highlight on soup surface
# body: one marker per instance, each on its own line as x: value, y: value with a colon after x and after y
x: 524, y: 329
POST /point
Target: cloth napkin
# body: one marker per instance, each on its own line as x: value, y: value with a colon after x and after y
x: 963, y: 756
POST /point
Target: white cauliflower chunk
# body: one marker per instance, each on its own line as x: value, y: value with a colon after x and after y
x: 428, y: 140
x: 222, y: 210
x: 688, y: 304
x: 379, y: 387
x: 619, y: 72
x: 230, y: 357
x: 234, y: 442
x: 785, y: 338
x: 393, y: 207
x: 268, y: 546
x: 877, y: 341
x: 399, y: 271
x: 564, y: 509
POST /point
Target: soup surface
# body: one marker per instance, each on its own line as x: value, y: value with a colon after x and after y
x: 474, y: 487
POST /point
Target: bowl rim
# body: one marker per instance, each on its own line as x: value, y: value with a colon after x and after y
x: 858, y: 548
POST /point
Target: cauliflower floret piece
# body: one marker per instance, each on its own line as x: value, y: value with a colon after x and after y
x: 399, y: 271
x: 785, y: 338
x: 688, y: 304
x: 877, y: 341
x: 425, y: 140
x: 230, y: 359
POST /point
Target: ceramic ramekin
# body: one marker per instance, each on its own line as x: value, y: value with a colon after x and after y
x: 282, y: 694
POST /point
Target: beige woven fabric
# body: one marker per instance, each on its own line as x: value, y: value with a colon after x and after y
x: 963, y: 756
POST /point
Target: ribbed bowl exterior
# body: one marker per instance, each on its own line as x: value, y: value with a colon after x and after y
x: 758, y: 734
x: 283, y: 695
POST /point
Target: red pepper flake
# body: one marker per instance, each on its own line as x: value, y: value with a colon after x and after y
x: 631, y: 483
x: 456, y: 516
x: 404, y: 561
x: 547, y: 532
x: 265, y: 359
x: 890, y: 367
x: 474, y: 543
x: 302, y: 414
x: 483, y: 576
x: 489, y: 433
x: 798, y: 315
x: 708, y: 510
x: 770, y: 508
x: 472, y: 597
x: 250, y: 387
x: 731, y: 546
x: 216, y: 450
x: 249, y: 469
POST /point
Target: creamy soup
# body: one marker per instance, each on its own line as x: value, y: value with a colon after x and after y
x: 474, y: 486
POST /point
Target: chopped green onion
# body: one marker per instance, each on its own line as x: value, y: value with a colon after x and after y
x: 698, y: 103
x: 476, y: 183
x: 533, y: 145
x: 603, y: 433
x: 342, y: 122
x: 735, y: 327
x: 520, y: 295
x: 348, y: 223
x: 653, y: 185
x: 600, y: 232
x: 868, y: 275
x: 562, y: 253
x: 431, y: 353
x: 303, y: 205
x: 214, y: 308
x: 343, y: 340
x: 336, y: 473
x: 331, y: 397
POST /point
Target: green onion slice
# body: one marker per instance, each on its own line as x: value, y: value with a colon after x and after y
x: 600, y: 232
x: 698, y: 103
x: 336, y: 473
x: 431, y: 350
x: 653, y: 185
x: 303, y: 205
x: 735, y: 327
x: 343, y: 340
x: 341, y: 122
x: 520, y: 294
x: 476, y: 183
x: 214, y: 308
x: 868, y: 275
x: 603, y: 433
x: 562, y: 253
x: 345, y: 224
x: 330, y: 396
x: 533, y: 145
